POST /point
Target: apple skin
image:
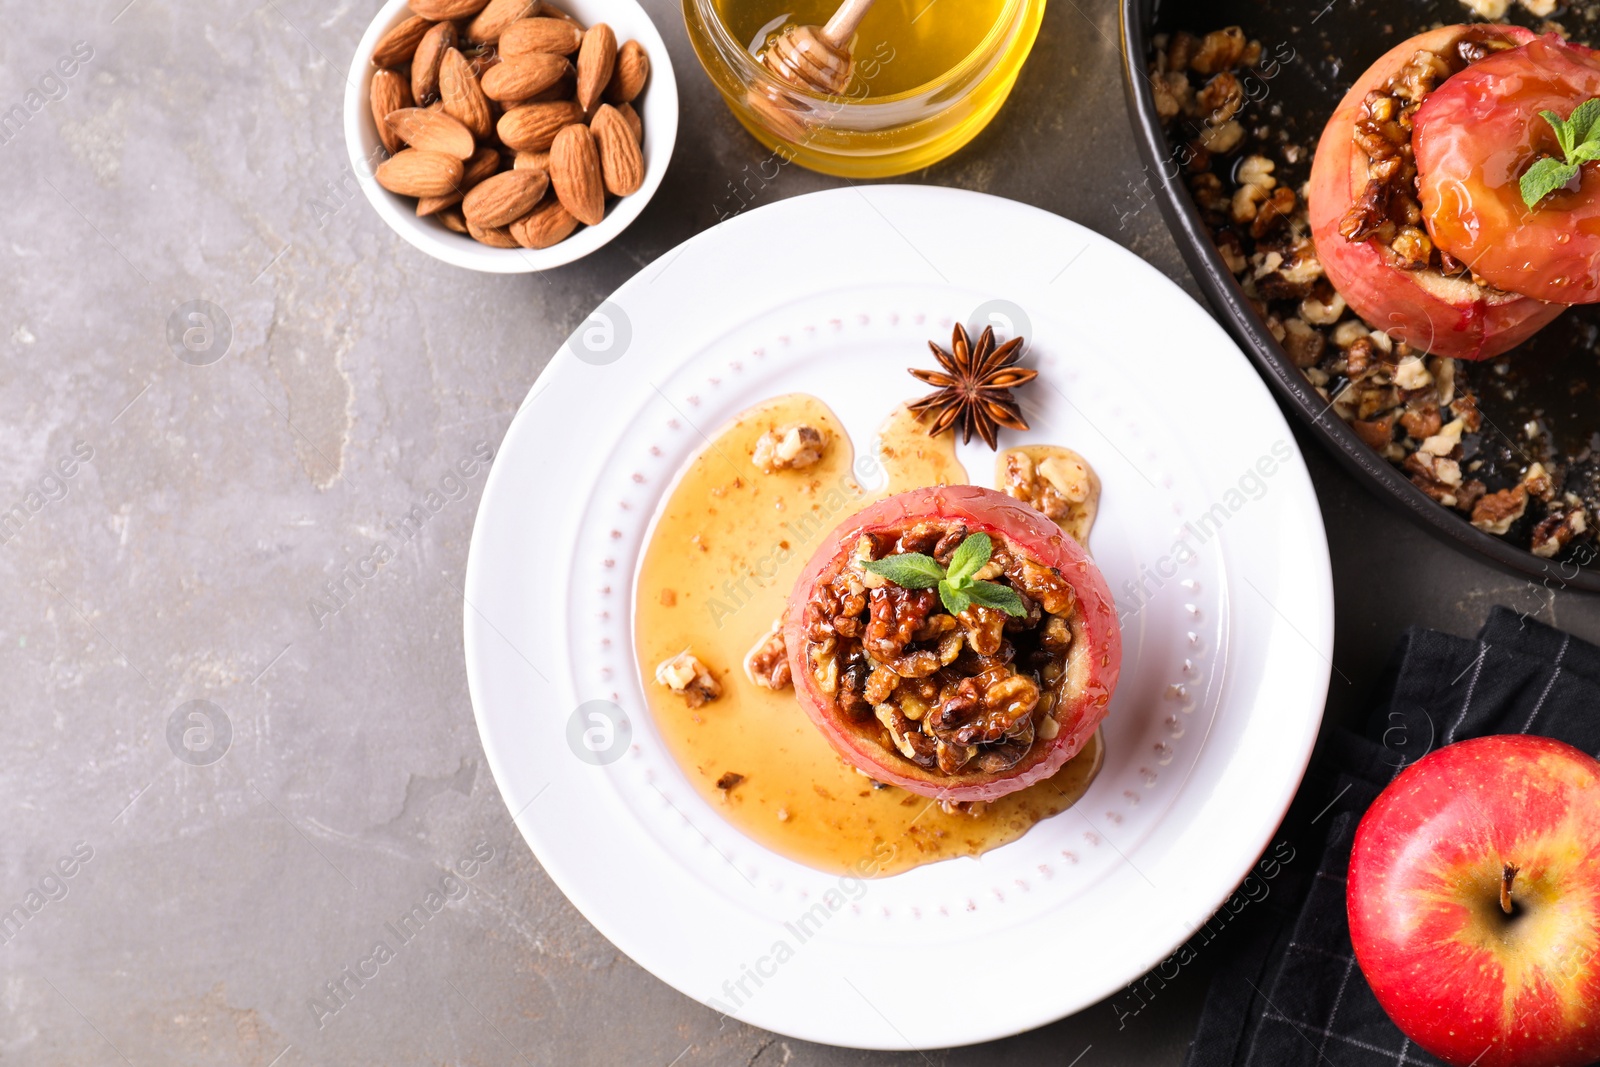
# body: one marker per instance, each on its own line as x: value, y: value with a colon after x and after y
x: 1463, y: 980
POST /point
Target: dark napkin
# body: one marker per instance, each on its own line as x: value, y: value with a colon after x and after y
x: 1288, y: 992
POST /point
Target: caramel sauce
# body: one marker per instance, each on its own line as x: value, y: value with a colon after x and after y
x: 720, y: 563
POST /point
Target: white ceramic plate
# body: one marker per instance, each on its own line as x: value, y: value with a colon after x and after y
x: 1226, y: 656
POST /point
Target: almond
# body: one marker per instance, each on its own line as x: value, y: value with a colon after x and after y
x: 483, y: 163
x: 561, y: 90
x: 414, y: 172
x: 432, y: 131
x: 390, y: 92
x: 399, y: 44
x: 504, y: 198
x: 533, y: 161
x: 597, y: 59
x: 621, y: 162
x: 453, y: 220
x: 556, y: 37
x: 425, y: 64
x: 635, y: 123
x: 524, y: 76
x: 575, y: 174
x: 440, y: 10
x: 633, y: 70
x: 493, y: 236
x: 482, y: 59
x: 499, y: 14
x: 463, y: 96
x: 533, y: 127
x: 548, y: 224
x: 550, y: 10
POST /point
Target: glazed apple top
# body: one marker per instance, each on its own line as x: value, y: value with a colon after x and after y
x: 1476, y: 136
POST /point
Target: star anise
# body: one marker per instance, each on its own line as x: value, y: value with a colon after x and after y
x: 975, y: 394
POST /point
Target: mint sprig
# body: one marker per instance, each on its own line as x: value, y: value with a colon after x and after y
x: 958, y: 589
x: 1579, y: 137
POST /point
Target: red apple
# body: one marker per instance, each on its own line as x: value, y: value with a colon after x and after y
x: 1474, y: 899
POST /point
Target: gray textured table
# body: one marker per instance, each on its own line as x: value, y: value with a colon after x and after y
x: 206, y: 546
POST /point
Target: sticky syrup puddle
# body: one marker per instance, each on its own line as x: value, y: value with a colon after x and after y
x: 725, y: 552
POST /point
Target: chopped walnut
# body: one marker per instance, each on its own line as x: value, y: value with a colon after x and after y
x: 1222, y: 138
x: 793, y: 447
x: 1446, y: 441
x: 1376, y: 434
x: 767, y: 664
x: 1555, y: 530
x: 1349, y: 332
x: 1162, y: 89
x: 1303, y: 344
x: 1221, y: 98
x: 686, y: 675
x: 1322, y: 311
x: 1497, y: 511
x: 1423, y: 421
x: 1435, y: 475
x: 1208, y: 193
x: 1218, y: 50
x: 1538, y: 483
x: 1412, y: 374
x: 951, y: 693
x: 1257, y: 171
x: 1061, y: 486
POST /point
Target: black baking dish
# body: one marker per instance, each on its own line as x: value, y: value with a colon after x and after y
x: 1323, y: 46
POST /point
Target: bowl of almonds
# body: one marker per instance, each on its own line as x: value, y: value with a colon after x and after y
x: 510, y: 136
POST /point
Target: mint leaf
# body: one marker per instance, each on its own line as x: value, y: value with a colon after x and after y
x: 995, y: 595
x: 911, y: 570
x: 1582, y: 122
x: 955, y: 600
x: 1579, y: 137
x: 969, y: 558
x: 1545, y: 177
x: 1562, y: 130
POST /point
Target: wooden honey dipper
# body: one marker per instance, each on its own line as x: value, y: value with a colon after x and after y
x: 818, y: 57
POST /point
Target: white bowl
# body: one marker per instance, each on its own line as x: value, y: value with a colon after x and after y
x: 658, y: 107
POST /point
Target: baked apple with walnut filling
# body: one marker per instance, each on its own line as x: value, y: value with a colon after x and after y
x: 954, y: 642
x: 1372, y: 233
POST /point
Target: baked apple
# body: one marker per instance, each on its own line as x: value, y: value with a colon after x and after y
x: 954, y: 642
x: 1369, y: 227
x: 1476, y: 136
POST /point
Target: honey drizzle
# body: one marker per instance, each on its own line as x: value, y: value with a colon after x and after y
x: 719, y: 565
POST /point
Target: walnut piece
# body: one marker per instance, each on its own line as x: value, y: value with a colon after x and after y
x: 1061, y: 486
x: 1554, y: 531
x: 1218, y: 50
x: 685, y: 675
x: 790, y: 448
x: 767, y: 664
x: 1497, y: 511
